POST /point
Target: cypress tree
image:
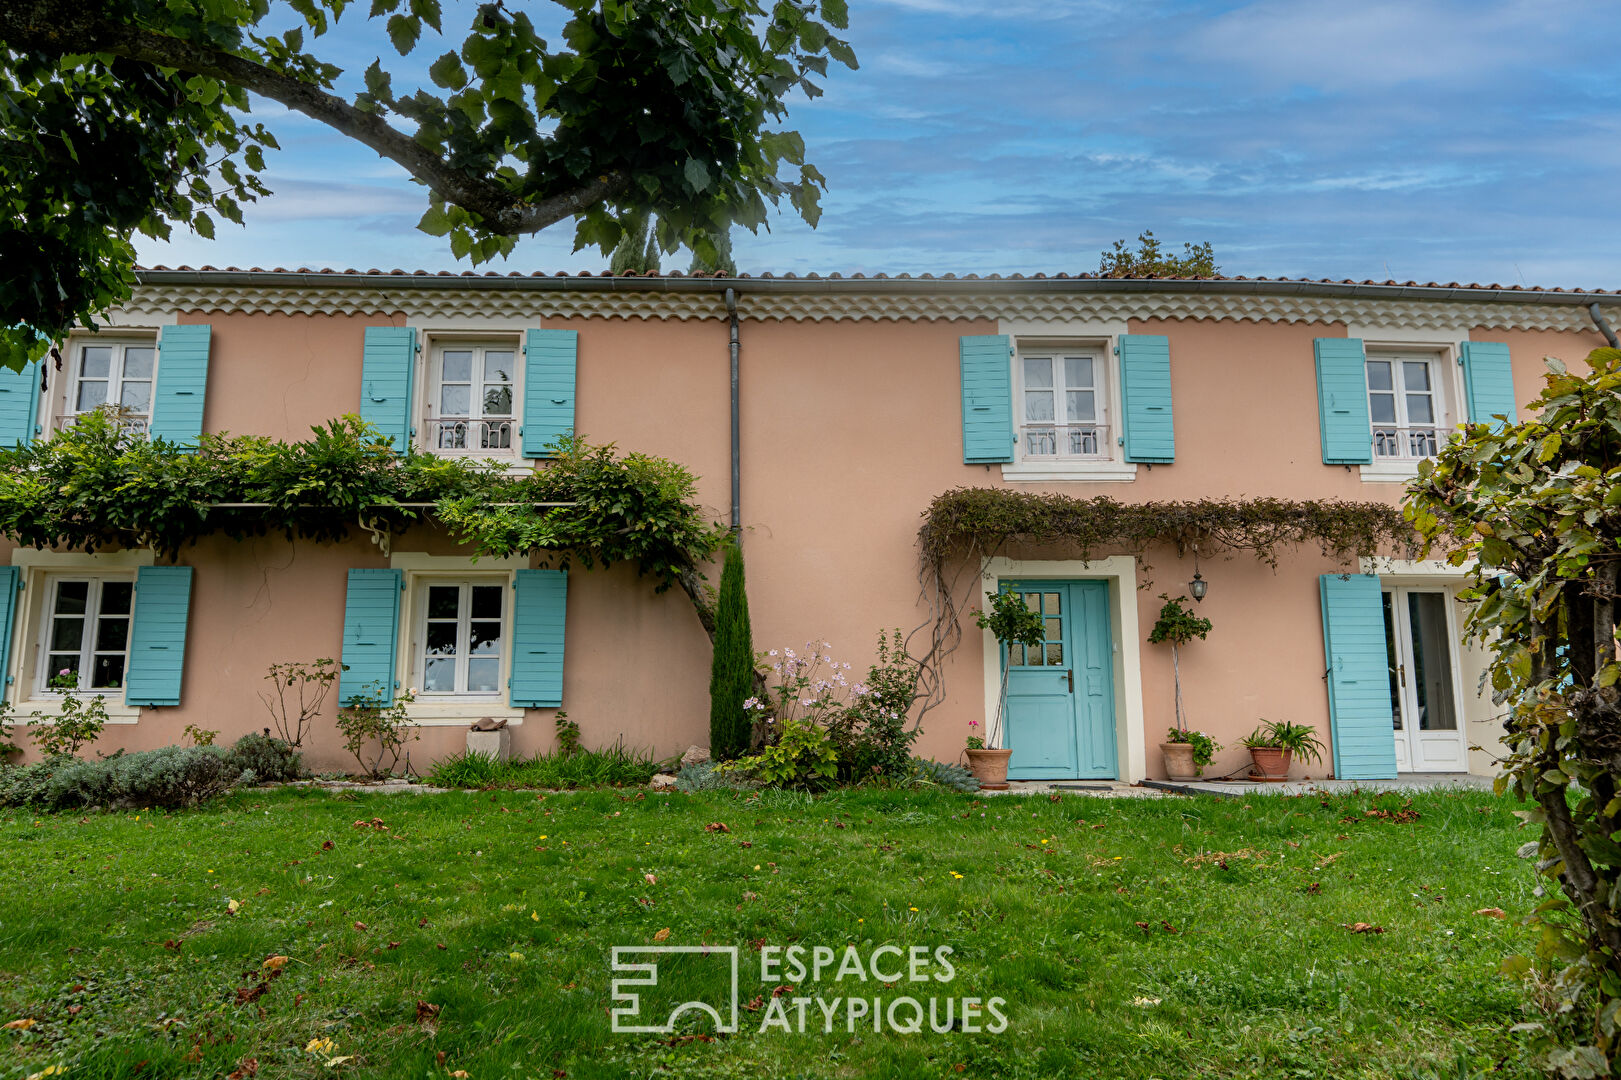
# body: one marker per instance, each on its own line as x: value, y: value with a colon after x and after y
x: 731, y: 679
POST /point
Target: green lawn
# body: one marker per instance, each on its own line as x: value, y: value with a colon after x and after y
x: 1136, y: 938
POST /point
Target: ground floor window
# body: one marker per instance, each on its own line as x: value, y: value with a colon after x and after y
x: 85, y: 636
x: 462, y: 636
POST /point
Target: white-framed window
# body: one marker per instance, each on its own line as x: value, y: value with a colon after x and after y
x: 460, y: 644
x: 108, y: 371
x: 1407, y: 404
x: 1062, y: 405
x: 84, y: 632
x: 472, y: 398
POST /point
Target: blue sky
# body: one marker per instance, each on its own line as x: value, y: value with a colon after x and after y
x: 1419, y: 140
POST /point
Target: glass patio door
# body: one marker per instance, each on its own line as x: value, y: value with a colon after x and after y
x: 1421, y: 650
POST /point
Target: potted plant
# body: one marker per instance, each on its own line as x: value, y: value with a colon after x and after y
x: 1274, y: 746
x: 1012, y: 622
x: 1187, y: 753
x: 1178, y: 625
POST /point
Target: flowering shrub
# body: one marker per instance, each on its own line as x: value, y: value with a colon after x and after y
x: 802, y: 756
x: 863, y: 722
x: 78, y: 724
x: 374, y: 719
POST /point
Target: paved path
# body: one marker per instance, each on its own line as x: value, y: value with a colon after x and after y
x: 1234, y: 789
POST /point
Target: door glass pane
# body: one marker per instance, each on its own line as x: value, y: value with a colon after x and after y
x: 136, y: 396
x: 1382, y: 407
x: 1416, y: 376
x: 1054, y: 629
x: 1082, y: 407
x: 1379, y: 375
x: 1391, y: 659
x: 138, y: 362
x: 97, y: 362
x: 91, y: 394
x: 1038, y: 371
x: 1055, y: 654
x: 453, y: 400
x: 497, y: 400
x: 1038, y: 405
x: 458, y: 366
x: 1432, y: 662
x: 115, y: 597
x: 1049, y: 604
x: 1418, y: 409
x: 1015, y: 655
x: 1077, y: 371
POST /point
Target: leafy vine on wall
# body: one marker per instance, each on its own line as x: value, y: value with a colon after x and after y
x: 966, y: 526
x: 98, y: 485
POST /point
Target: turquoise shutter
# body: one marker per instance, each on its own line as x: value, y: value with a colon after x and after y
x: 550, y: 361
x: 1488, y: 379
x: 371, y: 634
x: 385, y: 382
x: 987, y: 398
x: 1342, y: 401
x: 1145, y: 394
x: 19, y: 405
x: 182, y: 386
x: 1360, y: 718
x: 539, y: 600
x: 157, y: 635
x: 10, y: 582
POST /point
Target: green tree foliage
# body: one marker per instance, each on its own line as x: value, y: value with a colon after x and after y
x: 637, y: 251
x: 1151, y: 261
x: 127, y: 116
x: 1532, y: 512
x: 721, y: 263
x: 731, y: 678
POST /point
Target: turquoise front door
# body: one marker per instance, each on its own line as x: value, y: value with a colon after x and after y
x: 1060, y: 694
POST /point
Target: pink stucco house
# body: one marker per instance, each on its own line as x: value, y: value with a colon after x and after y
x: 859, y: 400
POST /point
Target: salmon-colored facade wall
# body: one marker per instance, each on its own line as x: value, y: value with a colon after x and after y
x: 849, y: 428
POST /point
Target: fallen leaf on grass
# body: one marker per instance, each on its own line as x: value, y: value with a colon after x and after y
x: 1363, y: 928
x: 275, y: 963
x: 1493, y: 912
x: 1144, y: 1002
x: 459, y: 1074
x: 326, y: 845
x: 21, y: 1025
x: 650, y: 879
x: 1145, y: 928
x: 716, y: 826
x: 360, y: 926
x: 662, y: 934
x: 244, y: 1069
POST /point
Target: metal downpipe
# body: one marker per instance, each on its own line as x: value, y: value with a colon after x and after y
x: 1603, y: 325
x: 737, y: 438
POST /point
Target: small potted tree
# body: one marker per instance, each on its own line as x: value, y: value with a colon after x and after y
x: 1012, y: 622
x: 1185, y: 755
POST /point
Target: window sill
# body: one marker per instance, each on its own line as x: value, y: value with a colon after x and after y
x: 1085, y: 472
x: 460, y: 712
x: 50, y: 708
x: 1389, y: 472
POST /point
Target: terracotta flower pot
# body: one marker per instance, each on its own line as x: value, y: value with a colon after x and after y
x: 1179, y: 760
x: 989, y: 767
x: 1270, y: 762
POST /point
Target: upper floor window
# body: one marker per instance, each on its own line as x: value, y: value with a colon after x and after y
x: 111, y: 374
x: 472, y: 390
x: 1063, y: 406
x: 85, y: 636
x: 1407, y: 405
x: 462, y: 635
